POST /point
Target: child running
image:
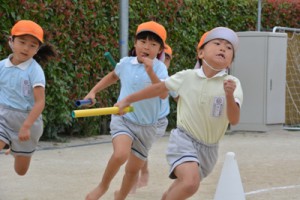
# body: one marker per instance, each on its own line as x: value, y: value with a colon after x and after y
x: 161, y: 125
x: 209, y: 100
x: 22, y: 92
x: 134, y: 132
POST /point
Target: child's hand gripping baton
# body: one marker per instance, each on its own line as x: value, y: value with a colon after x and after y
x: 99, y: 111
x: 85, y: 102
x: 110, y: 59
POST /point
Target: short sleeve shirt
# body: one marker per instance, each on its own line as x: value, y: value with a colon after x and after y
x: 133, y: 77
x: 201, y: 108
x: 17, y: 83
x: 165, y: 105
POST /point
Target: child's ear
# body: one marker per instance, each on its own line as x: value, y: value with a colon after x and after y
x: 161, y: 56
x: 200, y: 53
x: 10, y: 42
x: 161, y: 49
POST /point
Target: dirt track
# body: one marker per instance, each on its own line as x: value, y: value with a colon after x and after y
x: 269, y: 165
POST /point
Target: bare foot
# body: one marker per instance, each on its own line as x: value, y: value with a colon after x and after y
x: 96, y: 193
x: 143, y: 180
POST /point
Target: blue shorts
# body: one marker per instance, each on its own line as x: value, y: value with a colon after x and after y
x: 183, y: 148
x: 143, y: 136
x: 11, y: 121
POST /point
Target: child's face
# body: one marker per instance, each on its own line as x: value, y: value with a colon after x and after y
x: 167, y: 60
x: 217, y: 53
x: 24, y: 47
x: 147, y: 48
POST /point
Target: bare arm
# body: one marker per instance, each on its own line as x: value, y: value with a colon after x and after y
x: 105, y: 82
x: 37, y: 109
x: 149, y: 69
x: 153, y: 90
x: 233, y: 109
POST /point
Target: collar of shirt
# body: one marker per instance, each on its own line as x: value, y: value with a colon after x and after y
x: 23, y: 65
x: 135, y: 61
x: 201, y: 74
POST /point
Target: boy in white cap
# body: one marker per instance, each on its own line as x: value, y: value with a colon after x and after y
x: 209, y: 100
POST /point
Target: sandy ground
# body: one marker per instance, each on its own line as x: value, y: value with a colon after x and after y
x: 269, y: 166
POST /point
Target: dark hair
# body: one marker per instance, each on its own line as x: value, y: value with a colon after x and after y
x: 151, y: 36
x: 167, y: 55
x: 44, y: 54
x: 147, y: 35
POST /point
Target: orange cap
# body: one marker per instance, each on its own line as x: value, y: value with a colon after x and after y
x: 168, y: 50
x: 201, y: 42
x: 27, y: 27
x: 154, y: 27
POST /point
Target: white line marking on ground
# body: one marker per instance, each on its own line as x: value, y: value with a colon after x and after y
x: 270, y: 189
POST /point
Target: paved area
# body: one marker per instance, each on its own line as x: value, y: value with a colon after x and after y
x: 269, y: 165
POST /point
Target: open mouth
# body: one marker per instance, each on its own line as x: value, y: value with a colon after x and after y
x: 145, y: 54
x: 221, y: 55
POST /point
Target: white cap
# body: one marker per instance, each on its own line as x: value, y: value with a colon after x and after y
x: 220, y: 33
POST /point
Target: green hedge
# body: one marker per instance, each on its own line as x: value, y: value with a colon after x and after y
x: 281, y: 13
x: 82, y: 31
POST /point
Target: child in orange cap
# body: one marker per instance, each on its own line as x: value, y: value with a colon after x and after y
x: 133, y: 133
x: 209, y: 100
x: 161, y: 125
x: 22, y: 93
x: 168, y: 56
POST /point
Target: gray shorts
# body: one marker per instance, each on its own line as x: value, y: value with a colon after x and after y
x: 162, y: 124
x: 11, y: 121
x: 143, y: 136
x: 183, y: 148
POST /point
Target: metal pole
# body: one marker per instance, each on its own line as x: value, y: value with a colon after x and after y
x: 259, y: 15
x: 124, y: 24
x: 285, y: 29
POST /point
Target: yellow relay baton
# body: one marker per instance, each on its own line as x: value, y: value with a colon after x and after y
x: 99, y: 111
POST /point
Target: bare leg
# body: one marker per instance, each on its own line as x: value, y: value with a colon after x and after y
x: 186, y: 184
x: 132, y: 169
x: 135, y: 185
x: 144, y: 177
x: 22, y: 164
x: 122, y: 148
